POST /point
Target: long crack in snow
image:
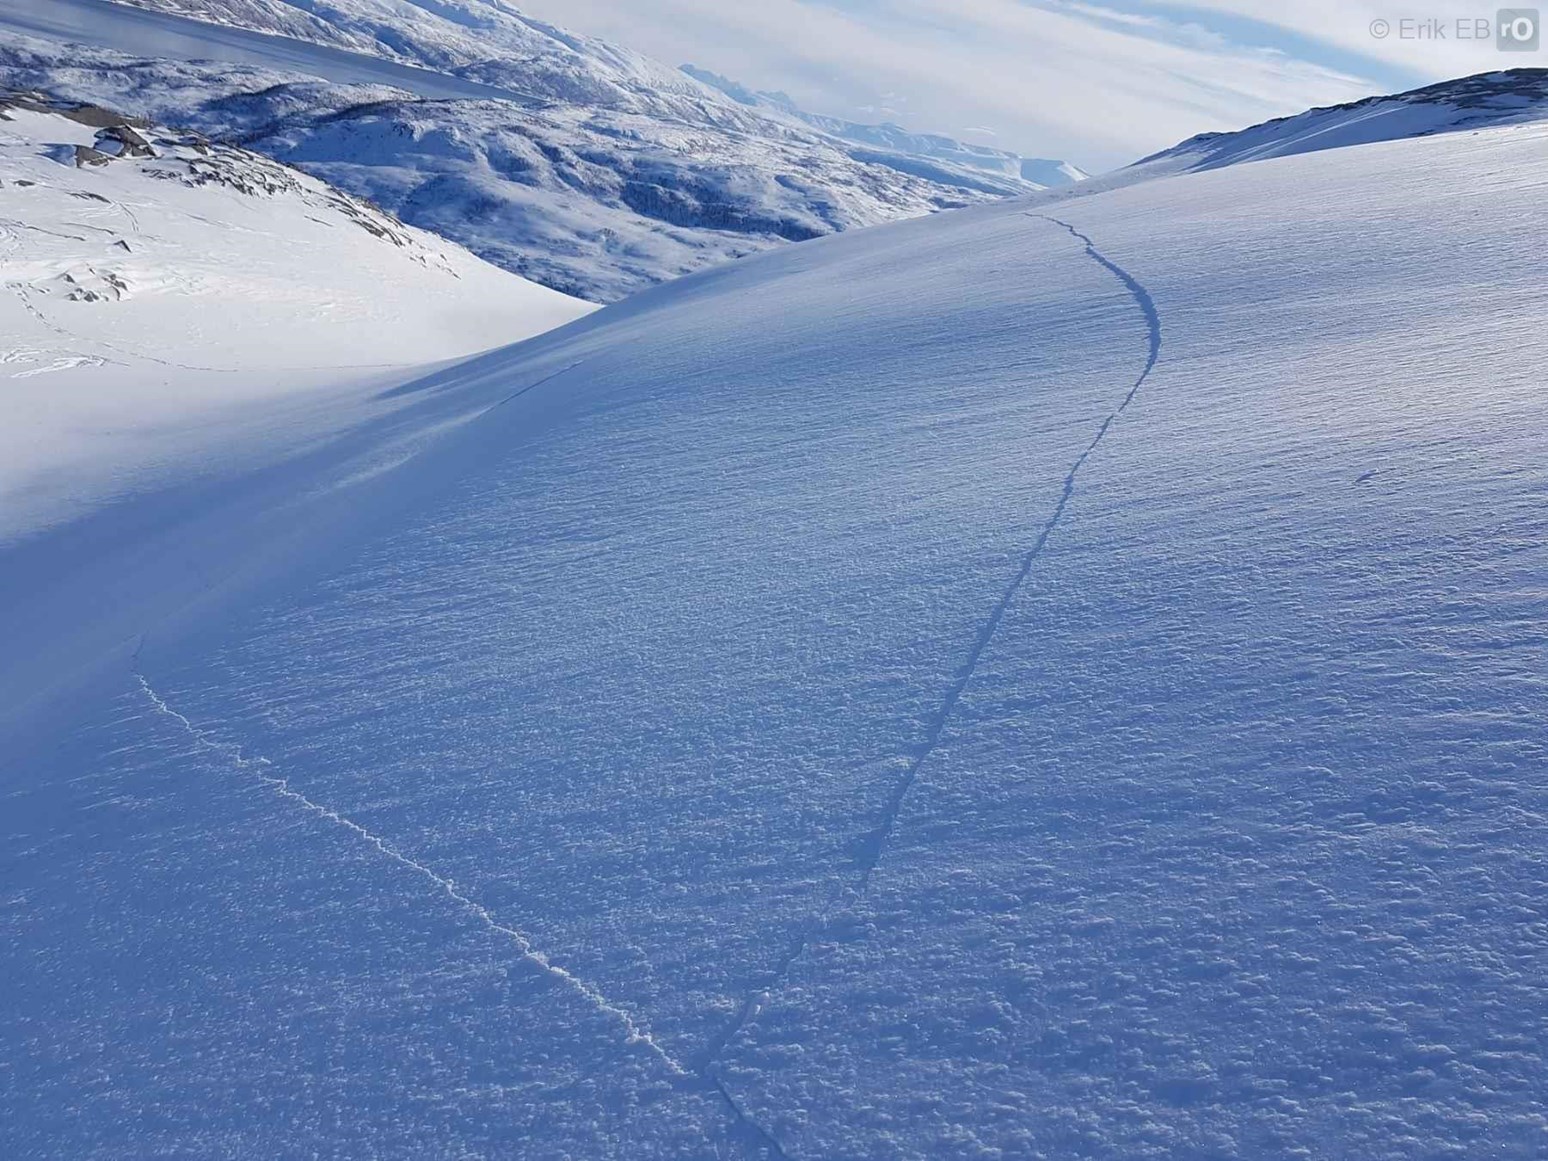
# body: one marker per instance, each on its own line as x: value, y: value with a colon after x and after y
x: 871, y: 851
x: 876, y: 844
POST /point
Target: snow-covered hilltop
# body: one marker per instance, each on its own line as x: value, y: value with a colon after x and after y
x: 583, y: 166
x: 1060, y: 679
x: 157, y: 289
x: 1497, y: 98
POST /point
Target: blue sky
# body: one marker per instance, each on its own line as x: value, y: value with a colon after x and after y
x: 1098, y: 82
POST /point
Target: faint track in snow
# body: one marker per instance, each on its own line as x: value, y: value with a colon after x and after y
x: 875, y: 845
x: 50, y: 233
x: 23, y: 292
x: 258, y: 768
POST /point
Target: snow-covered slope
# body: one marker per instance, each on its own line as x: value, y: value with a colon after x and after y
x: 1060, y: 679
x: 569, y: 161
x: 166, y: 300
x: 1511, y: 95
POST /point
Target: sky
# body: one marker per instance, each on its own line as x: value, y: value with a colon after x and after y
x: 1097, y: 83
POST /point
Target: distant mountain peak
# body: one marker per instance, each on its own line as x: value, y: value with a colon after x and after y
x: 891, y: 137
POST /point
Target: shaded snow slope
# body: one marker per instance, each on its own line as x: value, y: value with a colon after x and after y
x: 1061, y: 679
x: 559, y: 157
x: 161, y: 310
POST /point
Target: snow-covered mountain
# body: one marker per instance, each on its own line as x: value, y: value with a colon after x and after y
x: 1058, y: 679
x: 910, y: 150
x: 484, y: 40
x: 577, y: 164
x: 164, y: 299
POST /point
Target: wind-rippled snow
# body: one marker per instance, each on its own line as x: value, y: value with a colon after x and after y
x: 1229, y: 843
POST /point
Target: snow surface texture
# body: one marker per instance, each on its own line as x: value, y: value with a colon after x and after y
x: 1060, y: 679
x: 601, y: 173
x: 158, y: 312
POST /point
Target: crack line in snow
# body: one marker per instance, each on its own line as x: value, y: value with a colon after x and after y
x: 282, y: 787
x: 871, y: 851
x: 875, y: 844
x: 549, y: 378
x: 1141, y: 296
x: 760, y: 1138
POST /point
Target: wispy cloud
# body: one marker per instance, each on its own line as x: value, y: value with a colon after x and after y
x: 1098, y: 83
x: 1441, y: 38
